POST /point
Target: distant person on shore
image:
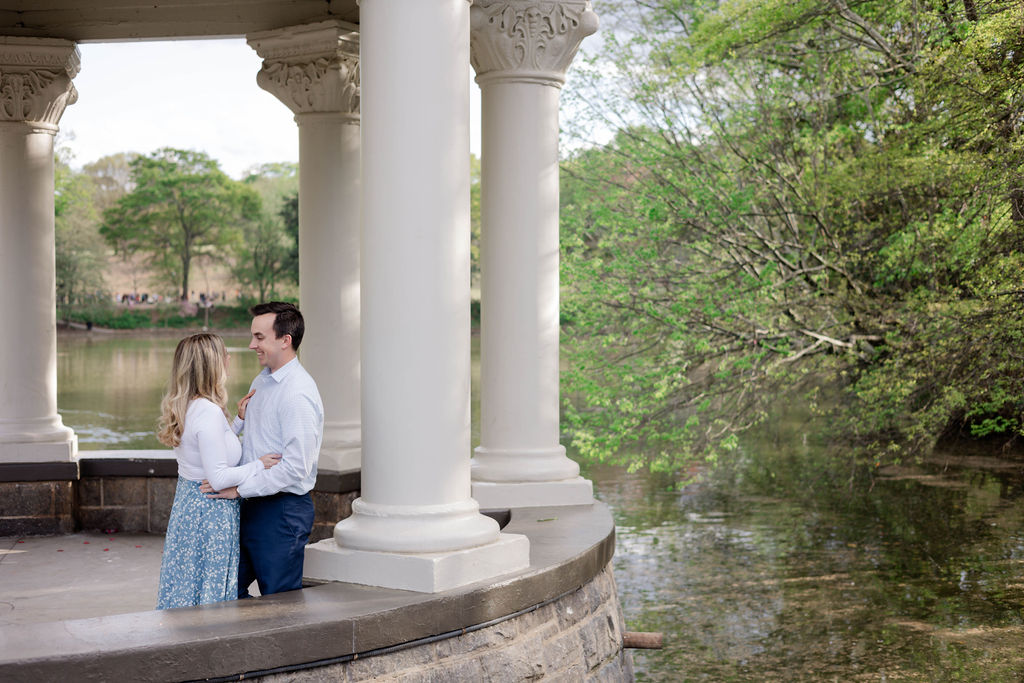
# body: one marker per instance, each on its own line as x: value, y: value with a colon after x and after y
x: 284, y: 415
x: 200, y: 559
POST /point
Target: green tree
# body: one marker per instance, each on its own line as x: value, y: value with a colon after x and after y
x: 263, y: 257
x: 289, y: 214
x: 267, y: 255
x: 474, y: 218
x: 80, y: 259
x: 182, y: 208
x: 810, y: 196
x: 111, y: 178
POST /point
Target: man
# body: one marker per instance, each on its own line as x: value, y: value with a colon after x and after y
x: 281, y: 414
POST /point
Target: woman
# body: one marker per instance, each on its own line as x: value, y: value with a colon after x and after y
x: 200, y: 560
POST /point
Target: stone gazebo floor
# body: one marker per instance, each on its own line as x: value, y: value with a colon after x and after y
x: 88, y: 574
x: 83, y: 603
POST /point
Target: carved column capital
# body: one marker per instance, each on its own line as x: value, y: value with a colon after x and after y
x: 35, y: 79
x: 528, y: 40
x: 312, y: 68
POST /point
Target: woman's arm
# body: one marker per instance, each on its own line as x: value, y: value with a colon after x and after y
x: 211, y: 430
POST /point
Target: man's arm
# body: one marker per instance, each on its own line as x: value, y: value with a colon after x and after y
x: 301, y: 422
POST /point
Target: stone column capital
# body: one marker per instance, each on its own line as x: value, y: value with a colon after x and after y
x: 527, y: 40
x: 312, y: 68
x: 35, y: 79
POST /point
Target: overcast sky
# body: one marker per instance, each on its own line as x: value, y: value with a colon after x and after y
x: 201, y: 95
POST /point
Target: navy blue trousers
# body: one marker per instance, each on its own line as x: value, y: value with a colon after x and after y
x: 272, y: 540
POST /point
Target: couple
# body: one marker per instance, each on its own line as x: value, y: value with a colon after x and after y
x: 216, y: 544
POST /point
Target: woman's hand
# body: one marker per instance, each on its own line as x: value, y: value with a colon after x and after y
x: 230, y: 492
x: 243, y: 403
x: 270, y: 459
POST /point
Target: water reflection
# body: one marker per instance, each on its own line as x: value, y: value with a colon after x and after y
x: 915, y: 577
x: 109, y: 387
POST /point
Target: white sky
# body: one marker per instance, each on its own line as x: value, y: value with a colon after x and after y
x: 197, y: 94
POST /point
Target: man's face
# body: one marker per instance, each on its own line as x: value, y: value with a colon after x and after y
x: 270, y: 350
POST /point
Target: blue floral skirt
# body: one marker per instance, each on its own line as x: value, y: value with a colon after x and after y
x: 200, y: 561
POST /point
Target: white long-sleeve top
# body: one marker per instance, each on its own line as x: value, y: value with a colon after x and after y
x: 209, y: 449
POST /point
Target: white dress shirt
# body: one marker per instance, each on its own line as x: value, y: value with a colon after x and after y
x: 284, y: 416
x: 209, y: 449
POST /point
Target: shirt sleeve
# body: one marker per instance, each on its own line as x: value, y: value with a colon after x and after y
x: 301, y: 419
x: 237, y: 424
x: 210, y: 432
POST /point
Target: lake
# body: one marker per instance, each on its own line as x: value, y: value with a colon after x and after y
x: 769, y: 568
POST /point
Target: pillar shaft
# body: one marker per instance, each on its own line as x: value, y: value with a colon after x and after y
x: 35, y: 87
x: 314, y: 70
x: 329, y: 277
x: 520, y: 52
x: 519, y: 398
x: 416, y: 355
x: 415, y: 526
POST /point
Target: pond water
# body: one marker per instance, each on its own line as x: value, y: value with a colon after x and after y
x: 918, y: 577
x: 775, y: 568
x: 109, y: 386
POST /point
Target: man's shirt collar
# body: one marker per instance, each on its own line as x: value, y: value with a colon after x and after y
x: 282, y: 372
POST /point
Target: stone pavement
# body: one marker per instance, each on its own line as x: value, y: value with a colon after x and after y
x: 88, y: 574
x: 558, y: 620
x: 78, y: 576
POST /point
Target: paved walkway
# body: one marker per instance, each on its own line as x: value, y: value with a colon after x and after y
x: 89, y: 574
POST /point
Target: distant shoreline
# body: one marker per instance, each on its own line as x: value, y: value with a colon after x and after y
x: 75, y: 329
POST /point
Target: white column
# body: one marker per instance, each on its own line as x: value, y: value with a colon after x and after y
x: 35, y: 87
x: 521, y: 50
x: 416, y: 525
x: 314, y: 70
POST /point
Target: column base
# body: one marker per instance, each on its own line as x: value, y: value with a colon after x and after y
x: 40, y: 451
x: 421, y: 572
x: 522, y: 464
x: 576, y: 491
x: 340, y: 458
x: 438, y: 528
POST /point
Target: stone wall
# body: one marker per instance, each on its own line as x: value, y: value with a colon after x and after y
x: 125, y: 504
x: 577, y: 637
x: 37, y: 508
x: 129, y: 494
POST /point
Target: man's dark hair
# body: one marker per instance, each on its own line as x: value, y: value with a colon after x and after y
x: 287, y: 320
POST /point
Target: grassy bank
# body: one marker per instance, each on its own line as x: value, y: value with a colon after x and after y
x: 158, y: 316
x: 170, y: 316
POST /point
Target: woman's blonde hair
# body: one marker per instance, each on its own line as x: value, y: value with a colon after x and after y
x: 198, y: 371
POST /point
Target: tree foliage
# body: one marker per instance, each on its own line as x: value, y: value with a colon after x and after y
x: 182, y: 207
x: 80, y: 259
x: 111, y: 178
x: 267, y: 256
x: 819, y: 196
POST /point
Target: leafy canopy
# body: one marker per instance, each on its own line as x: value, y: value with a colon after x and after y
x: 800, y: 200
x: 182, y: 207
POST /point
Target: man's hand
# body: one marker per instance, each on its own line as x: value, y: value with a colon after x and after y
x: 243, y: 403
x: 270, y: 459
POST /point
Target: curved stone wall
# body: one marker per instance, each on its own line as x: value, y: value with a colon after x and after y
x: 577, y: 637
